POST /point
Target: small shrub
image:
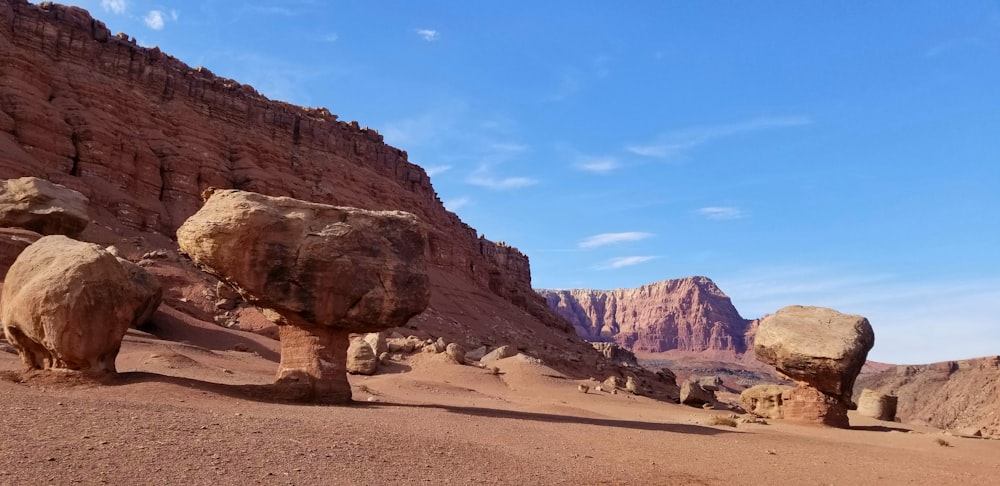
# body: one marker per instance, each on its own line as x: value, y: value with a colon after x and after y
x: 720, y: 420
x: 941, y: 442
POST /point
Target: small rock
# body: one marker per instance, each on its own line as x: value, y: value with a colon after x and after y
x: 456, y: 352
x: 499, y: 353
x: 361, y: 359
x: 583, y: 388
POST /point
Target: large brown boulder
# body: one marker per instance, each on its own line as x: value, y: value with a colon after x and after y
x: 816, y: 346
x: 43, y: 207
x: 324, y: 271
x: 67, y: 304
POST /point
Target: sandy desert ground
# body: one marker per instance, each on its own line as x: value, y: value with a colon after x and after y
x: 186, y: 410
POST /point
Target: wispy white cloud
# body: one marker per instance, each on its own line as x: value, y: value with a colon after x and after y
x: 272, y: 10
x: 721, y: 212
x: 509, y: 147
x: 331, y: 37
x: 600, y: 165
x: 570, y: 83
x: 429, y: 35
x: 948, y: 45
x: 436, y: 169
x: 499, y: 183
x: 454, y: 204
x: 675, y: 143
x: 154, y: 20
x: 174, y: 15
x: 612, y: 238
x: 621, y: 262
x: 114, y: 6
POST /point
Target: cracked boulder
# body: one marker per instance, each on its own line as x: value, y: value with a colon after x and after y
x: 321, y: 272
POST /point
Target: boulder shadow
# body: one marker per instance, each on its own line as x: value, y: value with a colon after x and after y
x: 168, y: 327
x: 562, y: 419
x: 877, y: 428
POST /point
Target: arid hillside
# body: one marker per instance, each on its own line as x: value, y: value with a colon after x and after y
x: 142, y: 134
x: 962, y: 395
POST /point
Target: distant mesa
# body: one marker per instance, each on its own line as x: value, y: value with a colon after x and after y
x: 686, y: 314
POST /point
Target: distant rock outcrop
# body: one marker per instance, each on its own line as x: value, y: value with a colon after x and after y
x: 67, y: 305
x: 954, y: 395
x: 821, y: 349
x: 326, y: 271
x: 687, y: 314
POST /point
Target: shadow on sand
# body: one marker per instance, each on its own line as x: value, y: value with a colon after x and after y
x: 561, y: 419
x: 877, y: 428
x: 278, y: 394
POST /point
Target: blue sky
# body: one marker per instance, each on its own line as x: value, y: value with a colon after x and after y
x: 844, y: 154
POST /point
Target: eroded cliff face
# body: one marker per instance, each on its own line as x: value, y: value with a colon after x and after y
x: 959, y: 395
x: 141, y: 134
x: 688, y: 314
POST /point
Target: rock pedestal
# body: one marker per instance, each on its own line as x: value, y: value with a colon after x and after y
x: 314, y: 364
x: 805, y: 404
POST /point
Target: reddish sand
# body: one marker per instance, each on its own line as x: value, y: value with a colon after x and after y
x: 190, y: 413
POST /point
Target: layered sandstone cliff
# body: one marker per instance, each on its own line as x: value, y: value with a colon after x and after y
x: 959, y: 395
x: 687, y: 314
x: 141, y: 134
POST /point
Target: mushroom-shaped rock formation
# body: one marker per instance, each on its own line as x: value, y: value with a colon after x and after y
x: 822, y: 350
x: 67, y: 304
x: 43, y: 207
x: 323, y: 272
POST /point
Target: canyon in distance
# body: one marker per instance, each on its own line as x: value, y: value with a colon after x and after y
x: 142, y: 136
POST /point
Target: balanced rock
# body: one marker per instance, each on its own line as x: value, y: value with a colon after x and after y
x: 67, y: 304
x: 877, y: 405
x: 693, y: 394
x: 361, y: 358
x: 764, y: 400
x: 325, y: 271
x: 43, y: 207
x: 816, y: 346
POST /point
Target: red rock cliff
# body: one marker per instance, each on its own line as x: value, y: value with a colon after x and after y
x: 142, y: 135
x: 688, y: 314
